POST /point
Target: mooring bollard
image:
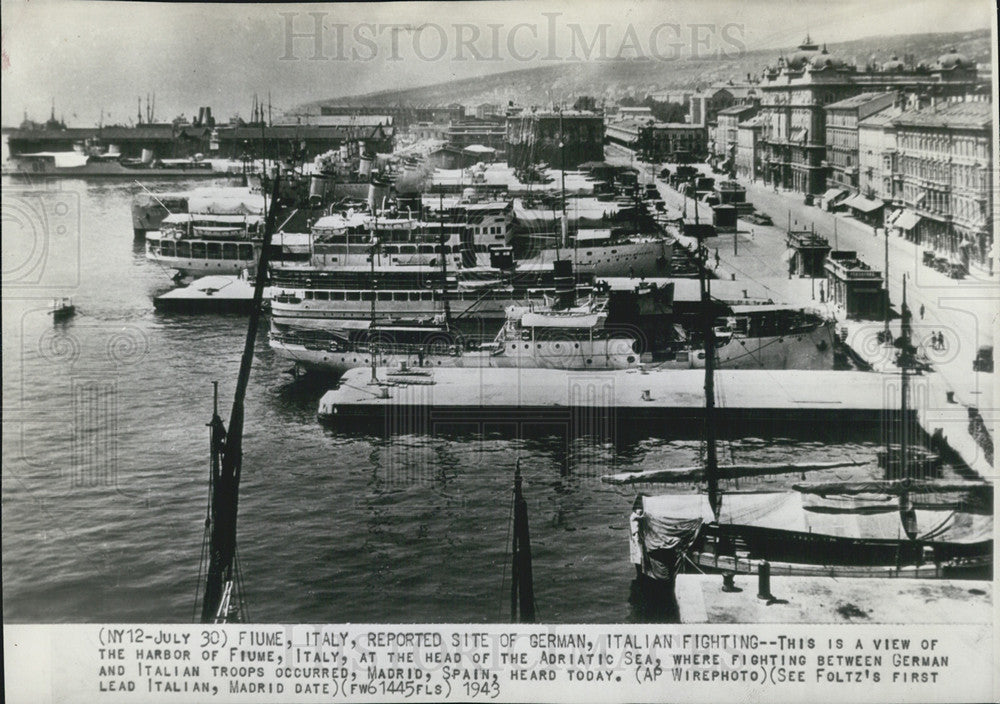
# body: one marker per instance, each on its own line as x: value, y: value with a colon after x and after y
x: 646, y: 396
x: 729, y: 582
x: 951, y: 396
x: 764, y: 580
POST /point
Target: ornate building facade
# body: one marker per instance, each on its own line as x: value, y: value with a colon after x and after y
x: 796, y: 90
x: 944, y: 156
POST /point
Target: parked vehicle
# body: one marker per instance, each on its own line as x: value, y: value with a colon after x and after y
x: 984, y: 360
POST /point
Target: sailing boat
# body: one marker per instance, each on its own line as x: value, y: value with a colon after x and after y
x: 223, y: 600
x: 818, y: 530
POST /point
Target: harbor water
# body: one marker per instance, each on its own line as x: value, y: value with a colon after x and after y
x: 105, y: 463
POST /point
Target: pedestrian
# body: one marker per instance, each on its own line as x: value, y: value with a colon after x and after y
x: 921, y: 311
x: 941, y: 345
x: 717, y: 259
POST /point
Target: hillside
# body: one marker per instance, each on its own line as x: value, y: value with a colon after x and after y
x: 563, y: 82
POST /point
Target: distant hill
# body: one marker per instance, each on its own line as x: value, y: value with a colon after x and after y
x: 563, y: 82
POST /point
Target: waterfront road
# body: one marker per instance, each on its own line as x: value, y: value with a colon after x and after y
x: 965, y: 311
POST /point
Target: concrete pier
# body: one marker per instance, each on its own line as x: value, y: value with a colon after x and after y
x: 750, y: 400
x: 815, y: 600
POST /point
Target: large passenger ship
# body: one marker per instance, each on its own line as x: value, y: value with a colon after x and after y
x: 571, y: 338
x: 196, y: 244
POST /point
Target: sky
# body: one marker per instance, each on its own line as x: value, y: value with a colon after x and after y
x: 96, y: 58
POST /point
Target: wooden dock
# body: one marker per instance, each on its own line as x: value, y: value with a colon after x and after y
x: 747, y: 400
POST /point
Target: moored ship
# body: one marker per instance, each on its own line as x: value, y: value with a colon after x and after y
x: 77, y: 165
x: 572, y: 338
x: 195, y: 244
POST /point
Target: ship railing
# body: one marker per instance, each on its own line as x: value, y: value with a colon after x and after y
x: 431, y: 347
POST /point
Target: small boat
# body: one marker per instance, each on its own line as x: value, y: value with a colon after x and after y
x: 62, y: 309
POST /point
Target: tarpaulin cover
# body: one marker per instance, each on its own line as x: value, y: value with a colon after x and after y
x: 670, y: 521
x: 673, y: 519
x: 948, y: 526
x: 226, y: 206
x: 670, y: 517
x: 865, y: 205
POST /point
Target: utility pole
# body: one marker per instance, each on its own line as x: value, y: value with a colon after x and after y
x: 887, y: 333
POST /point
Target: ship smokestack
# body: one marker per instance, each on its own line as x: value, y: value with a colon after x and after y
x: 562, y: 274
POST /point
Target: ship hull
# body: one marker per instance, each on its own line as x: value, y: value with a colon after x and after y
x: 426, y: 305
x: 647, y: 257
x: 804, y: 349
x: 111, y: 170
x: 335, y: 359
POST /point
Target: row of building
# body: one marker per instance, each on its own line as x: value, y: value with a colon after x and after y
x: 905, y: 146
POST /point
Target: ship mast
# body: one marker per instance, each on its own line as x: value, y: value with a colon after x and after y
x: 227, y: 455
x: 906, y: 359
x: 444, y: 265
x: 711, y: 458
x: 522, y: 591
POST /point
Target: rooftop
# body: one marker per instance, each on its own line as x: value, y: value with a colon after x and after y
x: 881, y: 118
x: 855, y: 101
x: 970, y: 115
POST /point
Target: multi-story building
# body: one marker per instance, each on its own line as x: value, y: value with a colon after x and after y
x: 487, y: 110
x: 877, y: 170
x: 748, y: 148
x: 842, y: 154
x: 658, y: 141
x: 945, y: 156
x: 677, y: 97
x: 795, y: 91
x: 487, y: 133
x: 535, y: 136
x: 725, y: 139
x: 635, y: 113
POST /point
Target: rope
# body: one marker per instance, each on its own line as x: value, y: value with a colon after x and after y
x: 201, y: 567
x: 241, y: 587
x: 205, y: 537
x: 685, y: 556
